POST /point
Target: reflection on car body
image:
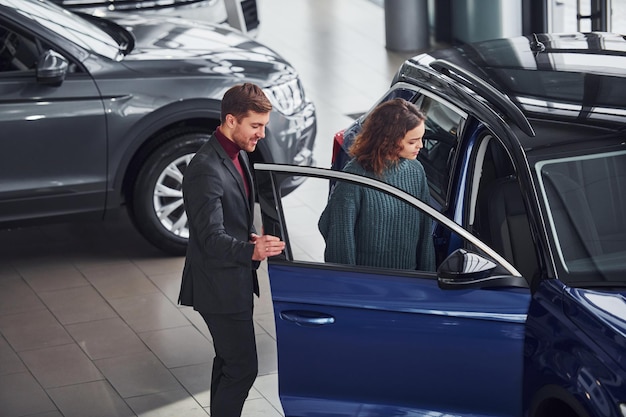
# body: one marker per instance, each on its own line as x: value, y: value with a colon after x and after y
x: 526, y: 315
x: 240, y: 14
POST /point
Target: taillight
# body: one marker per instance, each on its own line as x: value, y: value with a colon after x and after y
x: 337, y: 144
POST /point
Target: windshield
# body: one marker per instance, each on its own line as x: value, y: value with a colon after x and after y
x: 585, y: 198
x: 68, y: 25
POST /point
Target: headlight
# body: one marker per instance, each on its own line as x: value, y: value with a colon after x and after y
x: 287, y: 97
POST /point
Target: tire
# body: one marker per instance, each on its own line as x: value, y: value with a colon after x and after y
x: 156, y: 205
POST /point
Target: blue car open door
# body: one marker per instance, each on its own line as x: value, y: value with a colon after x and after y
x: 364, y: 341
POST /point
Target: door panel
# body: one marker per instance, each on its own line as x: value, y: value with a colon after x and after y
x: 395, y: 340
x: 356, y: 341
x: 53, y: 142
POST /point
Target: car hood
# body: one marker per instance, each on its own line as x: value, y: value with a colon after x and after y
x: 216, y: 49
x: 602, y: 316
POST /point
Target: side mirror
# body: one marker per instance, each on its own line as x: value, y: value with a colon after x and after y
x: 465, y: 270
x: 51, y: 68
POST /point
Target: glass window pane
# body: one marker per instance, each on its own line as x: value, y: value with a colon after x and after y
x: 586, y: 206
x: 361, y: 226
x: 440, y: 140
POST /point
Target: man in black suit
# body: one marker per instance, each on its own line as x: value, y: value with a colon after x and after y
x: 224, y: 251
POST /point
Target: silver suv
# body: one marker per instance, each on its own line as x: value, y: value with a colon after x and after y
x: 97, y: 113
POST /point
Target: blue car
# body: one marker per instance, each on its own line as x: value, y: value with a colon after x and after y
x: 525, y: 153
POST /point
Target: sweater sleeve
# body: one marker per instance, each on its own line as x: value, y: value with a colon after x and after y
x: 337, y: 224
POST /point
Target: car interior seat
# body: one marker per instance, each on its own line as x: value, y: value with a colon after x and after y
x: 509, y: 231
x: 17, y: 53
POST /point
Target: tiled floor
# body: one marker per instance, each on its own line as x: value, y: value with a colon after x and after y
x: 89, y: 324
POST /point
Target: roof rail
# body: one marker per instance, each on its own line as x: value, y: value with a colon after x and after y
x: 502, y: 101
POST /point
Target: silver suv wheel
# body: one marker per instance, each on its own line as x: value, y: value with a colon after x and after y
x: 168, y: 197
x: 156, y: 204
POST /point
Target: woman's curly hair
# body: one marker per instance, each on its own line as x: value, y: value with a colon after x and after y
x: 379, y: 142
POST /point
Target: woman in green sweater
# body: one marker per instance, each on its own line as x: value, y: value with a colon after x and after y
x: 370, y: 228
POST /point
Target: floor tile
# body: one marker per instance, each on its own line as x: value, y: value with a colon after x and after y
x: 21, y: 395
x: 33, y: 330
x: 104, y: 258
x: 137, y: 374
x: 93, y: 399
x: 43, y: 277
x: 169, y: 284
x: 266, y: 352
x: 253, y: 394
x: 77, y: 305
x: 266, y: 322
x: 179, y: 346
x: 106, y: 338
x: 149, y: 312
x: 118, y: 280
x: 197, y: 380
x: 60, y: 365
x: 47, y: 414
x: 10, y: 363
x: 16, y: 297
x: 161, y: 265
x: 167, y: 404
x: 259, y: 408
x: 197, y: 321
x: 267, y: 386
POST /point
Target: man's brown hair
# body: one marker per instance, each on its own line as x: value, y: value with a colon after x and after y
x: 378, y: 144
x: 243, y: 98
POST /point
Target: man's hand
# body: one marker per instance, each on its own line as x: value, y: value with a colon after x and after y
x: 266, y: 245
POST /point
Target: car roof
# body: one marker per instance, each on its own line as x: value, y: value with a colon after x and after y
x: 575, y: 78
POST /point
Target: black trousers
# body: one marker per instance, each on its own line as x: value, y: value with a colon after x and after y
x: 235, y: 366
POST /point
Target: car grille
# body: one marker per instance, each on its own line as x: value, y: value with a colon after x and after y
x: 287, y: 97
x: 250, y: 15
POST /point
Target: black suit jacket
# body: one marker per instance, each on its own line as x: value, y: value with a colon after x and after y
x: 219, y: 276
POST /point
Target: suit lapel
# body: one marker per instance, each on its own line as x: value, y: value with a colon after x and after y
x: 235, y: 174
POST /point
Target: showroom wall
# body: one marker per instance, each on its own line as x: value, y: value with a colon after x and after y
x: 477, y: 20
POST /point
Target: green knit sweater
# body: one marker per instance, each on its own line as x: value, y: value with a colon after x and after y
x: 362, y: 226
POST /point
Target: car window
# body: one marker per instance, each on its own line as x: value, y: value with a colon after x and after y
x: 386, y: 239
x: 394, y: 233
x: 440, y: 141
x: 17, y: 52
x: 585, y: 204
x: 443, y: 123
x: 71, y: 26
x: 20, y: 52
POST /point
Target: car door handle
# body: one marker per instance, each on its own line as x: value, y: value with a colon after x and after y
x: 307, y: 318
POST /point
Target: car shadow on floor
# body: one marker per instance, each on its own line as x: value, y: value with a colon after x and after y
x: 111, y: 239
